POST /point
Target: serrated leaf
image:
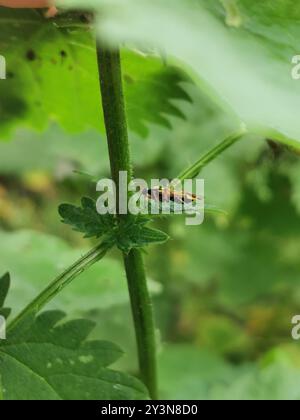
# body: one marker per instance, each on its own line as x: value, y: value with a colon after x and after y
x: 52, y: 75
x: 53, y: 360
x: 134, y: 234
x: 86, y: 219
x: 241, y: 56
x: 159, y: 88
x: 127, y: 234
x: 147, y: 236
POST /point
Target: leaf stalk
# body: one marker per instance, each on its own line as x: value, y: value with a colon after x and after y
x: 193, y: 171
x: 59, y: 283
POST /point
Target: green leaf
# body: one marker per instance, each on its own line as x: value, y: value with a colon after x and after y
x: 153, y: 92
x: 86, y: 219
x: 52, y: 75
x: 134, y: 234
x: 54, y: 360
x: 239, y: 55
x: 128, y: 234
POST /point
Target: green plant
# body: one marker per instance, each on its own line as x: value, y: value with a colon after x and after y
x: 127, y: 233
x: 45, y: 333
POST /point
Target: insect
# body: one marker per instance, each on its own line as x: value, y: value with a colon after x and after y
x: 166, y: 195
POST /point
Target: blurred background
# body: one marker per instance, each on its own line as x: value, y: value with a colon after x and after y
x: 224, y: 292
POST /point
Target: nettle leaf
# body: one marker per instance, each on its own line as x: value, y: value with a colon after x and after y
x: 240, y: 54
x: 52, y: 75
x: 54, y: 360
x: 133, y: 233
x: 130, y: 233
x: 48, y: 358
x: 159, y: 89
x: 86, y: 219
x: 4, y: 288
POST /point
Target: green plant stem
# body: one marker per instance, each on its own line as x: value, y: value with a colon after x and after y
x: 117, y: 137
x: 208, y: 157
x: 60, y: 283
x: 142, y: 310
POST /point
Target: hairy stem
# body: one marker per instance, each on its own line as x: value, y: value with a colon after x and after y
x: 60, y: 283
x: 141, y: 306
x: 117, y: 137
x: 208, y: 157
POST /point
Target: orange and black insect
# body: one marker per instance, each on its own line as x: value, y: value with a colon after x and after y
x: 165, y: 195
